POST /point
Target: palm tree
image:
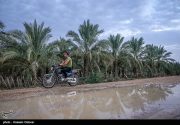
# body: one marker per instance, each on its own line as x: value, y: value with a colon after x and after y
x: 156, y: 58
x: 135, y: 50
x: 2, y: 26
x: 124, y: 63
x: 163, y: 58
x: 29, y: 49
x: 116, y: 45
x: 59, y: 46
x: 102, y: 57
x: 175, y: 66
x: 85, y: 40
x: 150, y: 54
x: 6, y: 41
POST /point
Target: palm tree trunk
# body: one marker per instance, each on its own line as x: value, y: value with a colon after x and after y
x: 84, y: 68
x: 106, y: 72
x: 34, y: 75
x: 115, y: 69
x: 97, y: 66
x: 86, y: 65
x: 135, y: 72
x: 123, y: 72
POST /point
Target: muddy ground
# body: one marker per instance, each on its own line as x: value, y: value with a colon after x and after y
x: 131, y: 99
x: 62, y: 89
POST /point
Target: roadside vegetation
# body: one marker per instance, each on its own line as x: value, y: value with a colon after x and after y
x: 25, y: 56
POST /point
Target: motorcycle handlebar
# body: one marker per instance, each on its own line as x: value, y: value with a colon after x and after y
x: 56, y: 66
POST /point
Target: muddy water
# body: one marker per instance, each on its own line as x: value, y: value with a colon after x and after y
x: 133, y: 102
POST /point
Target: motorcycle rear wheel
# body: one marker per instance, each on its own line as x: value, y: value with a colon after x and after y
x: 49, y: 80
x: 76, y: 78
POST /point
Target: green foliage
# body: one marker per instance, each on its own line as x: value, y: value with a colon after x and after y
x: 84, y: 42
x: 18, y: 82
x: 25, y: 56
x: 25, y: 52
x: 95, y: 78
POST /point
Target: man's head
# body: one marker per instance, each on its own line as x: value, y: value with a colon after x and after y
x: 66, y: 53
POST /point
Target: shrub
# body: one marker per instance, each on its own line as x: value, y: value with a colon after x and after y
x: 95, y: 78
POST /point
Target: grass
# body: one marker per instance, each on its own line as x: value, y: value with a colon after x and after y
x: 18, y: 82
x: 21, y: 82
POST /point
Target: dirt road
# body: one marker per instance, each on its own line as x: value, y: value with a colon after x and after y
x: 152, y: 98
x: 61, y: 89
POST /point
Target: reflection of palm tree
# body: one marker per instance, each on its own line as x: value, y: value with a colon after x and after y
x: 101, y: 102
x: 136, y: 97
x: 156, y: 93
x: 131, y: 98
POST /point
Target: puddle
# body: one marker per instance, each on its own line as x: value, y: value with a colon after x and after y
x: 131, y: 102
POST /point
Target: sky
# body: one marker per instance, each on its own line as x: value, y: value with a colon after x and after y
x: 157, y: 21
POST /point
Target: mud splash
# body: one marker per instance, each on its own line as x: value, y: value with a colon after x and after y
x: 150, y: 101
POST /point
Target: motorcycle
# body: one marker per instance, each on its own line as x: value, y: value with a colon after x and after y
x: 49, y: 80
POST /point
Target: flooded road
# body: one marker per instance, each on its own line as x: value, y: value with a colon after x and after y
x: 152, y: 101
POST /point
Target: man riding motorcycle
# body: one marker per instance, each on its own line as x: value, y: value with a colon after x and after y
x: 66, y: 64
x: 58, y: 71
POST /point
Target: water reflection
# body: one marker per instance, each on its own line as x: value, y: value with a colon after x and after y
x: 112, y: 103
x: 136, y: 98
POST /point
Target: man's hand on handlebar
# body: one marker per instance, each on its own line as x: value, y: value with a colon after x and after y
x: 61, y: 65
